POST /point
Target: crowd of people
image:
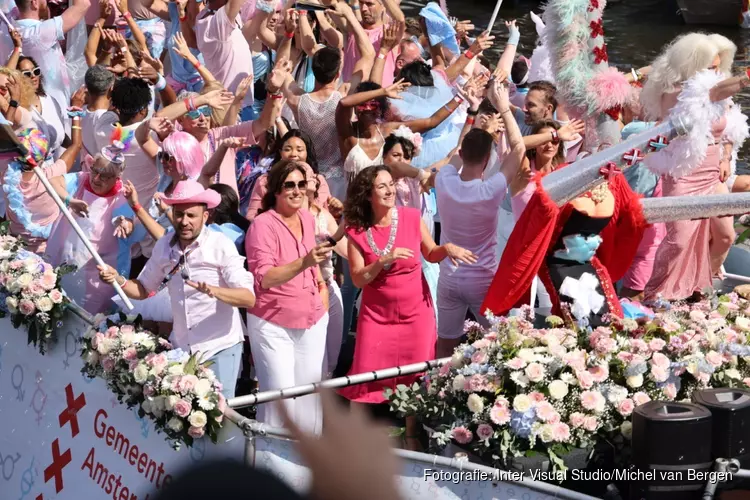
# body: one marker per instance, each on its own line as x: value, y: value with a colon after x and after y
x: 245, y: 169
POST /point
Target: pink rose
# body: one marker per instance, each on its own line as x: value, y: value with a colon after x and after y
x: 545, y: 411
x: 576, y: 360
x: 108, y: 364
x: 590, y: 423
x: 536, y: 396
x: 56, y: 296
x: 187, y: 383
x: 746, y: 381
x: 500, y: 414
x: 516, y: 363
x: 130, y: 354
x: 127, y: 329
x: 641, y: 398
x: 159, y: 362
x: 670, y: 391
x: 445, y: 370
x: 625, y: 357
x: 659, y: 374
x: 714, y: 358
x: 49, y: 280
x: 96, y: 339
x: 560, y: 432
x: 639, y: 345
x: 485, y: 431
x: 36, y: 288
x: 112, y: 332
x: 462, y: 435
x: 477, y: 383
x: 479, y: 357
x: 26, y: 307
x: 576, y: 419
x: 703, y: 378
x: 606, y: 345
x: 182, y: 408
x: 626, y: 407
x: 656, y: 345
x: 535, y: 372
x: 660, y: 360
x: 599, y: 373
x: 196, y: 432
x: 585, y: 379
x: 165, y: 343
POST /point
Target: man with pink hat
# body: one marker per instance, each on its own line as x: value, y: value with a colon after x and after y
x: 206, y: 279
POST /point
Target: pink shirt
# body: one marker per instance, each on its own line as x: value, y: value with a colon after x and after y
x: 270, y: 243
x: 38, y: 203
x: 227, y: 170
x: 201, y: 323
x: 225, y: 51
x: 351, y: 56
x: 261, y: 188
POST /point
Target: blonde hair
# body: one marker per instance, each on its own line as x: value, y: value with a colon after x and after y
x: 27, y: 88
x: 217, y: 114
x: 683, y: 58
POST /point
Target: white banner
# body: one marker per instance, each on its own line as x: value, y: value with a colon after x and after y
x: 65, y: 436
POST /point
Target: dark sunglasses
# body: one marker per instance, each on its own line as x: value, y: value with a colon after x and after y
x: 290, y: 185
x: 196, y: 113
x: 165, y: 157
x: 32, y: 72
x: 95, y: 172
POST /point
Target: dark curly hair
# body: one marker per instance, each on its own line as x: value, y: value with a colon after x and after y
x: 276, y: 178
x: 358, y: 211
x: 406, y: 145
x: 382, y: 100
x: 40, y: 91
x: 312, y: 160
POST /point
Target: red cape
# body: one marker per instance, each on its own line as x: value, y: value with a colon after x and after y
x: 540, y: 226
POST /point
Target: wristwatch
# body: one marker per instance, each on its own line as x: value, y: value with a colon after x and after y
x: 13, y: 103
x: 124, y: 280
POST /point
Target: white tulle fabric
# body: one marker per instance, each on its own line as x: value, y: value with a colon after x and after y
x: 736, y: 131
x: 541, y: 64
x: 694, y: 107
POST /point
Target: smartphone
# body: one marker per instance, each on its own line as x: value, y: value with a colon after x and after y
x: 314, y: 7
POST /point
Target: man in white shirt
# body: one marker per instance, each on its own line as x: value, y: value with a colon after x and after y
x: 41, y: 40
x: 469, y: 208
x: 207, y: 282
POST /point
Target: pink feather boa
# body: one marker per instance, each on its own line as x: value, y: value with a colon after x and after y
x: 610, y: 89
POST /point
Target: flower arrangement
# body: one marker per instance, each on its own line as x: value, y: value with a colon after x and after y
x: 30, y: 291
x: 181, y: 395
x: 514, y: 390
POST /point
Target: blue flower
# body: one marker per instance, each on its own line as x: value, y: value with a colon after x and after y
x: 636, y: 369
x: 520, y: 423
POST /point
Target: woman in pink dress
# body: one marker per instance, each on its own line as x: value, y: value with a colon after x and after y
x: 692, y: 251
x: 396, y: 319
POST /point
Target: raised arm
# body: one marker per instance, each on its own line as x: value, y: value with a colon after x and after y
x: 306, y: 36
x: 17, y: 46
x: 392, y: 36
x: 233, y: 9
x: 154, y: 228
x: 138, y: 35
x: 74, y: 13
x: 481, y: 43
x: 729, y: 87
x: 499, y: 98
x: 328, y: 31
x: 509, y: 54
x: 148, y: 145
x: 214, y: 99
x: 425, y: 124
x: 160, y: 8
x: 362, y: 40
x: 182, y: 49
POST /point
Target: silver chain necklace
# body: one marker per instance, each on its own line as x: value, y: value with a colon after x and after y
x: 391, y: 238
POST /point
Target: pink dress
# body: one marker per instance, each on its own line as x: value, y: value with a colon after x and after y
x: 396, y: 320
x: 643, y: 263
x: 683, y: 263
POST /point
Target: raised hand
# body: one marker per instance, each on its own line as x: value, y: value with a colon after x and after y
x: 462, y: 28
x: 130, y: 193
x: 482, y: 42
x: 180, y: 46
x: 317, y: 255
x: 233, y: 142
x: 162, y: 126
x: 105, y: 9
x: 243, y: 88
x: 78, y: 99
x: 570, y: 130
x: 278, y: 75
x: 459, y: 255
x: 219, y: 99
x: 291, y: 20
x: 396, y: 88
x: 392, y: 35
x: 16, y: 37
x: 123, y: 228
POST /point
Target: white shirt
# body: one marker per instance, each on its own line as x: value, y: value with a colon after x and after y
x: 50, y: 122
x: 469, y: 213
x: 202, y: 324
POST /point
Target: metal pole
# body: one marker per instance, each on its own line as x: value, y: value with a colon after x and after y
x: 673, y: 208
x: 334, y: 383
x: 81, y: 313
x: 494, y: 15
x: 79, y: 232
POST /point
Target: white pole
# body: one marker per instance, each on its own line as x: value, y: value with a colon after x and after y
x: 5, y: 19
x: 494, y: 16
x: 79, y: 232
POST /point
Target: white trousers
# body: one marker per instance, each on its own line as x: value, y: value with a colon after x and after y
x: 287, y: 357
x: 335, y: 328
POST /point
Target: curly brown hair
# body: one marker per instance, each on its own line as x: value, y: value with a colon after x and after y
x: 358, y: 211
x: 276, y: 178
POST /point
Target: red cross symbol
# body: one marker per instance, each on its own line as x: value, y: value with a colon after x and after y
x: 600, y: 54
x: 657, y: 143
x: 594, y: 5
x: 632, y: 157
x: 596, y: 28
x: 58, y: 464
x: 40, y: 497
x: 70, y: 414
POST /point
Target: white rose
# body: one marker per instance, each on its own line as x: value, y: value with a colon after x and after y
x: 170, y: 401
x: 457, y: 360
x: 175, y: 369
x: 148, y: 344
x: 44, y: 304
x: 568, y: 378
x: 197, y: 419
x: 521, y: 403
x: 742, y: 323
x: 32, y: 265
x: 635, y: 381
x: 140, y: 374
x: 458, y: 383
x: 24, y: 280
x: 527, y: 355
x: 12, y: 304
x: 146, y: 406
x: 475, y: 403
x: 617, y: 394
x: 202, y: 387
x: 546, y: 434
x: 104, y: 346
x: 175, y: 424
x: 627, y: 430
x: 126, y: 339
x: 733, y: 374
x: 558, y: 389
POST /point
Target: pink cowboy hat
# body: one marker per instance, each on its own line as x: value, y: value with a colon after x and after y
x: 190, y: 191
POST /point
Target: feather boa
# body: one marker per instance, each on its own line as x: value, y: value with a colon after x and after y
x: 694, y: 107
x: 12, y: 188
x: 736, y: 131
x: 540, y: 67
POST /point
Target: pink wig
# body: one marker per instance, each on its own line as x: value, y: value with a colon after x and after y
x: 187, y: 151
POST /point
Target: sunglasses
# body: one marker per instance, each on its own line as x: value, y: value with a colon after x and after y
x: 368, y: 106
x: 165, y: 157
x: 196, y: 113
x: 290, y: 185
x: 32, y: 72
x: 95, y: 172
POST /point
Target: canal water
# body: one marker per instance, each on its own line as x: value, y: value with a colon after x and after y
x: 635, y: 32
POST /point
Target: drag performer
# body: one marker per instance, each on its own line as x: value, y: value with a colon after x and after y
x: 573, y: 251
